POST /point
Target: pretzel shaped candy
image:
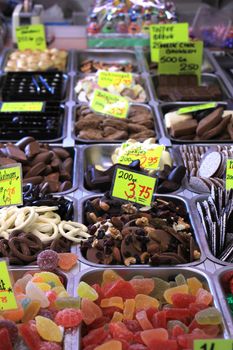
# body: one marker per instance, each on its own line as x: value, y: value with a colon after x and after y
x: 26, y: 216
x: 50, y: 217
x: 45, y: 209
x: 73, y: 231
x: 45, y: 231
x: 7, y: 218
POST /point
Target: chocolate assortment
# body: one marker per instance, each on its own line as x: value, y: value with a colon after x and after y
x: 216, y: 214
x: 125, y: 233
x: 209, y: 124
x: 90, y: 126
x: 49, y: 167
x: 92, y: 66
x: 173, y: 88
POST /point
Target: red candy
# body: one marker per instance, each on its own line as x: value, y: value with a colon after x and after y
x: 50, y: 346
x: 119, y: 288
x: 30, y: 335
x: 182, y: 300
x: 68, y: 318
x: 5, y: 341
x: 95, y: 337
x: 118, y: 330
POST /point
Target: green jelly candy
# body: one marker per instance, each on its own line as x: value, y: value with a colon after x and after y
x: 209, y: 316
x: 159, y: 289
x: 138, y: 277
x: 171, y: 324
x: 69, y: 302
x: 172, y: 284
x: 180, y: 280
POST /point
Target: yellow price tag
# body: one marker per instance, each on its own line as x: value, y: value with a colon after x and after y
x: 7, y: 297
x: 11, y: 185
x: 166, y: 33
x: 31, y: 37
x: 181, y: 58
x: 8, y: 107
x: 106, y: 79
x: 213, y: 344
x: 229, y: 174
x: 149, y: 159
x: 133, y: 186
x: 105, y: 103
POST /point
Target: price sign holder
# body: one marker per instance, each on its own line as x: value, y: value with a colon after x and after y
x: 11, y: 192
x: 166, y: 33
x: 109, y: 104
x: 149, y: 158
x: 133, y: 186
x: 7, y: 297
x: 31, y: 37
x: 229, y: 174
x: 10, y: 107
x: 213, y: 344
x: 181, y: 58
x: 106, y: 78
x: 191, y: 109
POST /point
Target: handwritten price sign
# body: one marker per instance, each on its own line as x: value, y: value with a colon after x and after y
x: 11, y: 185
x: 7, y: 298
x: 133, y: 187
x: 105, y: 103
x: 213, y: 344
x: 106, y: 79
x: 149, y: 159
x: 31, y: 37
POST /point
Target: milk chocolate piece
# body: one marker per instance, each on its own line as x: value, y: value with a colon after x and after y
x: 35, y: 180
x: 36, y: 170
x: 184, y: 128
x: 24, y: 142
x: 32, y: 149
x: 15, y: 153
x: 220, y: 127
x: 210, y: 121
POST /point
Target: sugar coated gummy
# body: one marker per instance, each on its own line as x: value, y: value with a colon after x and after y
x: 67, y: 260
x: 50, y: 346
x: 11, y: 328
x: 86, y: 291
x: 48, y: 330
x: 48, y: 260
x: 5, y: 340
x: 68, y: 318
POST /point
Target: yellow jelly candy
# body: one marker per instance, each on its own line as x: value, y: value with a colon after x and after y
x: 129, y: 308
x: 86, y: 291
x: 111, y: 344
x: 110, y: 276
x: 179, y: 289
x: 58, y: 290
x: 49, y: 277
x: 117, y: 317
x: 48, y: 330
x: 114, y: 301
x: 63, y: 294
x: 31, y: 311
x: 194, y: 284
x: 143, y: 302
x: 43, y: 286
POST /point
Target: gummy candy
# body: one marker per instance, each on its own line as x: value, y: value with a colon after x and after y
x: 66, y: 261
x: 48, y: 330
x: 50, y: 346
x: 119, y: 331
x: 119, y: 288
x: 203, y: 297
x: 30, y: 335
x: 150, y: 336
x: 129, y: 307
x: 31, y: 311
x: 142, y: 319
x: 35, y: 293
x: 179, y: 289
x: 90, y: 311
x: 180, y: 280
x: 64, y: 303
x: 143, y: 286
x: 209, y: 316
x: 114, y: 301
x: 5, y: 341
x: 47, y: 260
x: 194, y: 284
x: 117, y: 317
x: 171, y: 324
x: 11, y: 328
x: 145, y: 301
x: 51, y: 295
x: 109, y: 276
x: 159, y: 289
x: 20, y: 284
x: 50, y: 278
x: 111, y: 344
x: 95, y: 337
x: 85, y: 291
x: 68, y: 318
x: 159, y: 319
x: 182, y: 300
x: 14, y: 315
x: 45, y: 287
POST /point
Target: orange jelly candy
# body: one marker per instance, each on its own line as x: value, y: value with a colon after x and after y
x: 67, y: 260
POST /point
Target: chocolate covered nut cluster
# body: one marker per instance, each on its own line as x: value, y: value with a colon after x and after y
x: 123, y: 233
x: 209, y: 124
x: 36, y: 60
x: 139, y: 125
x: 48, y: 167
x: 92, y: 66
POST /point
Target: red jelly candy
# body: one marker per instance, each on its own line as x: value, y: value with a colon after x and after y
x: 119, y: 288
x: 99, y: 291
x: 95, y: 337
x: 90, y: 311
x: 132, y: 325
x: 182, y: 300
x: 47, y: 345
x: 119, y: 331
x: 159, y: 320
x: 30, y: 335
x: 101, y: 321
x: 177, y: 313
x: 150, y: 312
x: 68, y: 318
x: 137, y: 347
x: 109, y: 311
x: 5, y: 341
x: 11, y: 328
x: 186, y: 340
x: 142, y: 319
x: 137, y: 338
x: 194, y: 308
x: 143, y: 285
x: 177, y: 330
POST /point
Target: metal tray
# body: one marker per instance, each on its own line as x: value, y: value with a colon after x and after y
x: 80, y: 140
x: 201, y: 232
x: 92, y: 276
x: 107, y: 56
x: 219, y: 277
x: 6, y: 53
x: 141, y: 79
x: 206, y: 79
x: 70, y: 338
x: 177, y: 199
x: 101, y: 154
x: 164, y: 108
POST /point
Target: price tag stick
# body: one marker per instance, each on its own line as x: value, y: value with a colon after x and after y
x: 11, y: 185
x: 133, y: 186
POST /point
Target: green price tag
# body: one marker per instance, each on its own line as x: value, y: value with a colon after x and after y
x: 105, y: 103
x: 213, y: 344
x: 181, y: 58
x: 11, y: 185
x: 8, y: 107
x: 229, y: 174
x: 106, y: 79
x: 149, y: 159
x: 7, y: 297
x: 191, y: 109
x: 133, y: 187
x: 166, y: 33
x: 31, y: 37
